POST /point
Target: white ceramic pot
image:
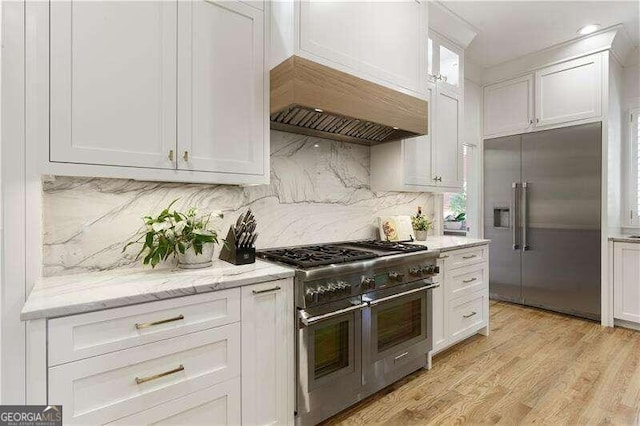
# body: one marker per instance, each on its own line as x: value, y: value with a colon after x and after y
x: 453, y: 225
x: 421, y: 235
x: 191, y: 260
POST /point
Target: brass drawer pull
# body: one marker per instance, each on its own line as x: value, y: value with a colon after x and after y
x: 266, y: 290
x: 470, y: 315
x: 157, y: 376
x: 164, y: 321
x: 470, y: 257
x: 470, y: 280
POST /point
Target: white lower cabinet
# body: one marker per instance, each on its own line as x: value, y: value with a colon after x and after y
x: 224, y: 357
x: 461, y: 303
x: 215, y: 405
x: 268, y: 354
x: 626, y: 281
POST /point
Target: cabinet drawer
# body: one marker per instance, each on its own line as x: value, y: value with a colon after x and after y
x: 219, y: 405
x: 468, y: 313
x: 465, y: 257
x: 97, y: 333
x: 467, y: 280
x: 105, y: 388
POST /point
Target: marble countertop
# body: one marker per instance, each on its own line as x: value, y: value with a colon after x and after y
x: 75, y: 294
x: 625, y: 238
x: 451, y: 242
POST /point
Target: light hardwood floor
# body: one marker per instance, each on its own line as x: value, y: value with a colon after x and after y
x: 534, y: 367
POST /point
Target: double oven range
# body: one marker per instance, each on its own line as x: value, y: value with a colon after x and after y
x: 363, y: 316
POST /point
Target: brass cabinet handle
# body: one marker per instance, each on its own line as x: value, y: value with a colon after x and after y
x: 164, y: 321
x: 157, y: 376
x: 470, y: 315
x: 185, y: 156
x: 446, y: 256
x: 470, y: 280
x: 470, y: 257
x: 170, y: 155
x: 266, y: 290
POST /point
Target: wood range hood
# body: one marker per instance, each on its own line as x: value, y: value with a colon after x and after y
x: 316, y: 100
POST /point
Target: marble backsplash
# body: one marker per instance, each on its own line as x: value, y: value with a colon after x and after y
x: 319, y: 192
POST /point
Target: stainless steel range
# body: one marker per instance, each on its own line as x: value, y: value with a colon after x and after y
x: 363, y: 315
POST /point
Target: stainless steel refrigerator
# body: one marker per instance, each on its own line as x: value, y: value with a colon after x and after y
x: 542, y: 211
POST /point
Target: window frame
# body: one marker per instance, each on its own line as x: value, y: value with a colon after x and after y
x: 631, y: 213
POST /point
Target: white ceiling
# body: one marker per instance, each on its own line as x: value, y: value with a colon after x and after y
x: 510, y: 29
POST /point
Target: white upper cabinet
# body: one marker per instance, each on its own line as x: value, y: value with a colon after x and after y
x: 558, y: 95
x: 447, y: 144
x: 569, y: 91
x: 508, y: 106
x: 382, y: 42
x: 445, y: 63
x: 161, y: 90
x: 221, y: 97
x: 113, y: 83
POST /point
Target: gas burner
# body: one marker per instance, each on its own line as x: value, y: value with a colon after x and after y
x: 316, y: 255
x: 397, y: 246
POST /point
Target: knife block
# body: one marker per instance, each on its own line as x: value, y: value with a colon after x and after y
x: 236, y: 255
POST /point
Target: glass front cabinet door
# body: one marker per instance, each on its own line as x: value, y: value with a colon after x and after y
x: 445, y: 62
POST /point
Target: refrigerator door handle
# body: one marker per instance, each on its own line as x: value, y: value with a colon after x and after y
x: 525, y: 214
x: 514, y: 215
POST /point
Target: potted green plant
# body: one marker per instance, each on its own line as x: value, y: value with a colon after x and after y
x: 185, y: 236
x: 421, y: 225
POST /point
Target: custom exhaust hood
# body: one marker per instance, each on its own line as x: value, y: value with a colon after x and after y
x: 316, y: 100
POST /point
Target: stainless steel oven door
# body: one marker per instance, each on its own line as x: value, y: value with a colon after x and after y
x: 329, y: 360
x: 396, y: 333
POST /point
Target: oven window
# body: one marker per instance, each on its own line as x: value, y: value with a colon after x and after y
x: 398, y: 324
x: 331, y: 345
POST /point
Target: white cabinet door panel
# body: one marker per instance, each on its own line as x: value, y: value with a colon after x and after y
x: 626, y: 279
x: 417, y: 153
x: 440, y: 311
x: 267, y: 355
x: 508, y: 106
x: 216, y: 405
x: 113, y: 82
x: 447, y: 153
x: 569, y: 91
x: 221, y: 108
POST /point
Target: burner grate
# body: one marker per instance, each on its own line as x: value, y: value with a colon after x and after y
x: 400, y: 246
x: 318, y: 255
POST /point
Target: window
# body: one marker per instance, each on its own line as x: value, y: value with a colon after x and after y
x: 455, y: 203
x: 633, y: 180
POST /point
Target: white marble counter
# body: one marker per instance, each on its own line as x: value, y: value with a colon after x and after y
x: 624, y: 238
x: 451, y: 242
x: 74, y: 294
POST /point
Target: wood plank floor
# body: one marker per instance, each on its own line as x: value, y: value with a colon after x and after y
x: 534, y: 367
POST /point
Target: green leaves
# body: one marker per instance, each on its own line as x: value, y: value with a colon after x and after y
x: 173, y: 232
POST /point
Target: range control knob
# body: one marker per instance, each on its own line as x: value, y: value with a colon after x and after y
x: 323, y: 292
x: 311, y: 295
x: 416, y: 272
x: 368, y: 283
x: 343, y: 287
x: 396, y: 277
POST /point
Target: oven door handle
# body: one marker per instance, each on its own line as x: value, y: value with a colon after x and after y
x: 309, y: 320
x: 404, y: 293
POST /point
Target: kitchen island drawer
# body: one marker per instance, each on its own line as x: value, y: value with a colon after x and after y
x: 81, y: 336
x: 216, y: 405
x: 468, y: 279
x: 106, y: 388
x: 468, y: 313
x: 465, y: 257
